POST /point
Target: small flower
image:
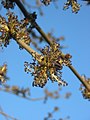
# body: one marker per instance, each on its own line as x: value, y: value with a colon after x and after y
x: 46, y: 2
x: 3, y: 70
x: 56, y: 108
x: 4, y: 30
x: 73, y: 3
x: 8, y: 4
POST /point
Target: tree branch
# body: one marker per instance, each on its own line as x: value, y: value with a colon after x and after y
x: 80, y: 78
x: 28, y: 15
x: 6, y: 115
x: 29, y: 50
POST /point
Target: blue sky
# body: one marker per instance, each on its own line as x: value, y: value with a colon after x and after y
x: 76, y: 30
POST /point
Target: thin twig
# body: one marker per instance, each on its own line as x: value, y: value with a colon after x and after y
x: 28, y: 15
x: 7, y: 116
x: 30, y: 50
x: 2, y: 111
x: 79, y: 77
x: 27, y: 98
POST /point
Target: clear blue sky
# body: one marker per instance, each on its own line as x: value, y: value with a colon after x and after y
x: 76, y: 30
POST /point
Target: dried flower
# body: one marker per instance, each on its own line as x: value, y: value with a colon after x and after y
x: 13, y: 29
x: 73, y: 3
x: 56, y: 108
x: 46, y: 2
x: 23, y: 91
x: 4, y: 30
x: 3, y: 70
x: 67, y: 95
x: 8, y: 4
x: 85, y: 92
x: 49, y: 66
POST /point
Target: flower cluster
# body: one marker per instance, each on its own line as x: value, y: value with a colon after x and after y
x: 3, y: 70
x: 4, y: 32
x: 85, y: 92
x: 49, y: 67
x: 24, y: 92
x: 8, y: 4
x: 51, y: 114
x: 18, y: 29
x: 13, y: 29
x: 73, y: 3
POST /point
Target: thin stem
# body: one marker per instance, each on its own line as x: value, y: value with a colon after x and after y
x: 30, y: 50
x: 43, y: 34
x: 8, y: 116
x: 1, y: 110
x: 22, y: 8
x: 27, y: 98
x: 79, y: 77
x: 27, y: 15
